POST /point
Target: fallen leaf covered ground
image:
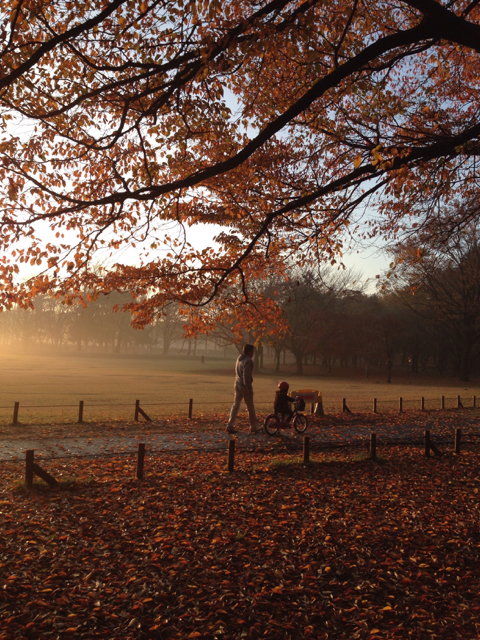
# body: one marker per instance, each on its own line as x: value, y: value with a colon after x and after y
x: 341, y: 548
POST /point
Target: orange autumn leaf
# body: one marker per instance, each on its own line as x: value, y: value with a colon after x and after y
x: 276, y: 124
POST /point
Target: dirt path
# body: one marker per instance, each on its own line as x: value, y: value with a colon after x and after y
x: 176, y: 435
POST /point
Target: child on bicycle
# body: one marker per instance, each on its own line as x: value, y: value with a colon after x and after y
x: 282, y: 399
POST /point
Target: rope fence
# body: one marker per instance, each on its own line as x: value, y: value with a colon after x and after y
x: 189, y: 408
x: 429, y: 448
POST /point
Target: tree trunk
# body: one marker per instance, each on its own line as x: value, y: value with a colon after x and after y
x: 415, y: 359
x: 256, y: 361
x: 299, y: 363
x: 389, y: 370
x: 464, y: 361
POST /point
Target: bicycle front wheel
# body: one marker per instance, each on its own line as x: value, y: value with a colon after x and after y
x: 271, y: 424
x: 300, y: 423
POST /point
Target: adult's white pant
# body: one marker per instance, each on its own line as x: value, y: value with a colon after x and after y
x: 242, y: 394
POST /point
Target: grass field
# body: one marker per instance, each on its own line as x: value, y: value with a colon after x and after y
x: 109, y: 384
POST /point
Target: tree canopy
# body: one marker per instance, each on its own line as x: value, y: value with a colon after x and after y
x: 289, y: 123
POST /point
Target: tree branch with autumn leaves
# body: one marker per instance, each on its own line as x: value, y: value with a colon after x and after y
x: 119, y: 119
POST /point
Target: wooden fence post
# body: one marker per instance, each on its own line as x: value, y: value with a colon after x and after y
x: 80, y: 411
x: 306, y: 450
x: 190, y: 408
x: 373, y: 446
x: 31, y: 468
x: 231, y: 455
x: 443, y: 402
x: 400, y: 405
x: 374, y: 405
x: 29, y: 455
x: 474, y: 403
x: 423, y: 404
x: 427, y: 443
x: 16, y: 407
x: 140, y: 460
x: 459, y: 403
x: 457, y: 442
x: 44, y: 475
x: 345, y: 409
x: 140, y: 412
x: 431, y: 446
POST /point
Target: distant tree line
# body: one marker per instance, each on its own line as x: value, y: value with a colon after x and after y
x: 436, y: 283
x: 424, y: 318
x: 53, y: 323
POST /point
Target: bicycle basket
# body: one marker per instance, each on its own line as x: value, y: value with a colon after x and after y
x: 300, y: 402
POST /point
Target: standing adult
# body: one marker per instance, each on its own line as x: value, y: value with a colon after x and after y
x: 244, y: 389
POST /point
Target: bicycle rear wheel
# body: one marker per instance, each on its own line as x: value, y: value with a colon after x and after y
x: 300, y: 423
x: 271, y: 424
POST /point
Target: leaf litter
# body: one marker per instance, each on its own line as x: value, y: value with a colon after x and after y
x: 339, y: 548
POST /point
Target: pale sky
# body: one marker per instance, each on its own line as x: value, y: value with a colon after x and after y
x: 370, y: 262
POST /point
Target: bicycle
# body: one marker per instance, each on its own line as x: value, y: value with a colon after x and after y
x: 298, y: 421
